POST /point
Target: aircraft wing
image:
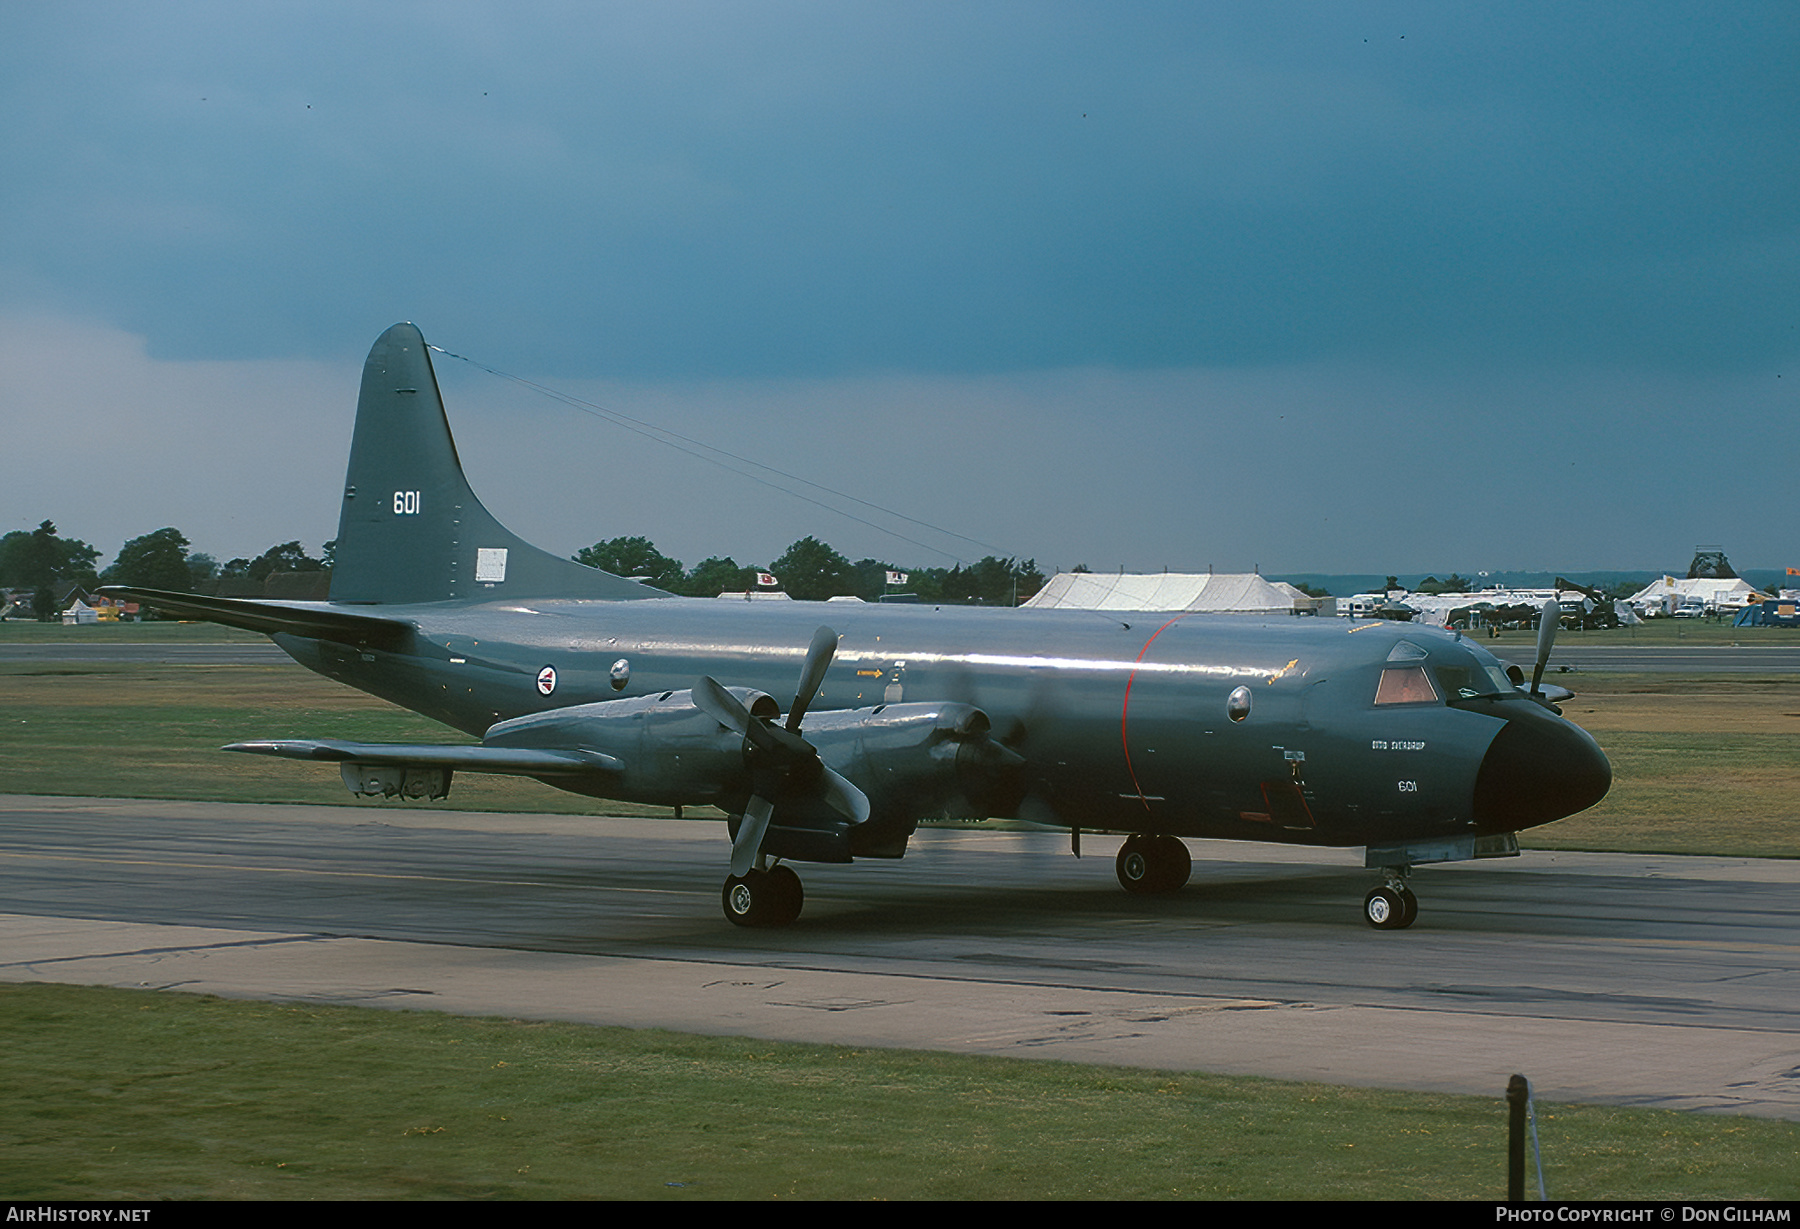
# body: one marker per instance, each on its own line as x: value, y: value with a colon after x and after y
x: 314, y: 620
x: 517, y: 761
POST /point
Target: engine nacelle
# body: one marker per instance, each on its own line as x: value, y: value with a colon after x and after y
x: 671, y: 753
x: 919, y: 759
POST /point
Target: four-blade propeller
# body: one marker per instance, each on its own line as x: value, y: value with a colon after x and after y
x: 783, y: 765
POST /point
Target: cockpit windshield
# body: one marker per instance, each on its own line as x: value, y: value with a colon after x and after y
x: 1414, y: 675
x: 1469, y: 671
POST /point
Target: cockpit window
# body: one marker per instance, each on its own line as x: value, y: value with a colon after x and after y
x: 1467, y: 682
x: 1405, y: 685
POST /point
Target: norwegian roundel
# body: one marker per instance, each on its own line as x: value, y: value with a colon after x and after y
x: 547, y: 680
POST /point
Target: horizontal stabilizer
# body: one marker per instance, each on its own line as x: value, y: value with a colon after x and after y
x: 314, y: 620
x: 514, y: 761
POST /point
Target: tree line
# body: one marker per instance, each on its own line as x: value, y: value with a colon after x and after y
x: 44, y: 563
x: 811, y: 570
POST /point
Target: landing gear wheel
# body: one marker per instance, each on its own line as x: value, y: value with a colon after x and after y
x: 1153, y: 864
x: 1390, y: 908
x: 1176, y: 863
x: 762, y: 898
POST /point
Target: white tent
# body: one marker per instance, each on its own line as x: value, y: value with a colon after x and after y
x: 1238, y: 592
x: 1667, y: 594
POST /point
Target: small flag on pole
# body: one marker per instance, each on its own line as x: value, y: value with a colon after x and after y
x: 766, y: 580
x: 899, y: 578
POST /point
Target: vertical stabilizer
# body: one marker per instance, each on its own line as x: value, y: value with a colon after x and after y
x: 411, y: 530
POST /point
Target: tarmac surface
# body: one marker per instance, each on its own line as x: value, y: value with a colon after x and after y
x: 1629, y: 979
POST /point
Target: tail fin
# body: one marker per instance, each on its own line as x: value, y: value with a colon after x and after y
x: 411, y: 530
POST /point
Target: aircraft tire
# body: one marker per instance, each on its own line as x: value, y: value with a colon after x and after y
x: 790, y: 895
x: 1176, y: 863
x: 762, y: 898
x: 1136, y: 866
x: 1412, y: 907
x: 1387, y: 909
x: 1154, y: 864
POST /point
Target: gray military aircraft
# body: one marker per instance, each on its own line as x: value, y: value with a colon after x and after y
x: 1413, y: 742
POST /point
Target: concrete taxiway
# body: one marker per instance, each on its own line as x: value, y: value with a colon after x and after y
x: 1642, y: 980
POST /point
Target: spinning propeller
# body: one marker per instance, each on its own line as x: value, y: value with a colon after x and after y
x: 783, y: 765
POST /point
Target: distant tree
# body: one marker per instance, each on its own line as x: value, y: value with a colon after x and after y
x: 1311, y: 591
x: 993, y: 581
x: 714, y: 576
x: 13, y: 549
x: 812, y: 571
x: 633, y: 557
x: 154, y: 561
x: 1393, y: 582
x: 42, y: 561
x: 287, y: 557
x: 203, y: 569
x: 1081, y: 567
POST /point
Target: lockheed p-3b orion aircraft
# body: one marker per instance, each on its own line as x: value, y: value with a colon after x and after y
x: 830, y: 743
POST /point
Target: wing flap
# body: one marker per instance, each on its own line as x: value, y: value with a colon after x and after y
x: 508, y: 761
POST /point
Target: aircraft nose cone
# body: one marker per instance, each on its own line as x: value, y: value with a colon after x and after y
x: 1538, y: 768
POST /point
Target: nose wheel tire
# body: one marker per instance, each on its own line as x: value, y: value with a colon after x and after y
x: 1388, y: 908
x: 763, y: 898
x: 1153, y: 864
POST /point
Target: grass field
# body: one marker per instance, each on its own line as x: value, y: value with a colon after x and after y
x: 132, y: 1095
x: 1700, y: 765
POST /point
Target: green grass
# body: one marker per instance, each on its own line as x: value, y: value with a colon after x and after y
x: 19, y: 631
x: 129, y: 730
x: 111, y: 1094
x: 1701, y: 765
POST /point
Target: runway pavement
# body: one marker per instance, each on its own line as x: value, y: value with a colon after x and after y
x: 1640, y: 980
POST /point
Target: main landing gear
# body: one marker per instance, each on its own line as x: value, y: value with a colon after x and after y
x: 1153, y: 864
x: 763, y: 898
x: 1392, y: 906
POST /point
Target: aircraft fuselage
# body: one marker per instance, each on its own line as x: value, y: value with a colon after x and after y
x: 1125, y: 720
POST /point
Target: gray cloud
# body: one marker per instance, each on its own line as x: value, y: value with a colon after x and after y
x: 1531, y: 261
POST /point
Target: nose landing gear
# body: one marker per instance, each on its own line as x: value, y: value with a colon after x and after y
x: 1391, y: 906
